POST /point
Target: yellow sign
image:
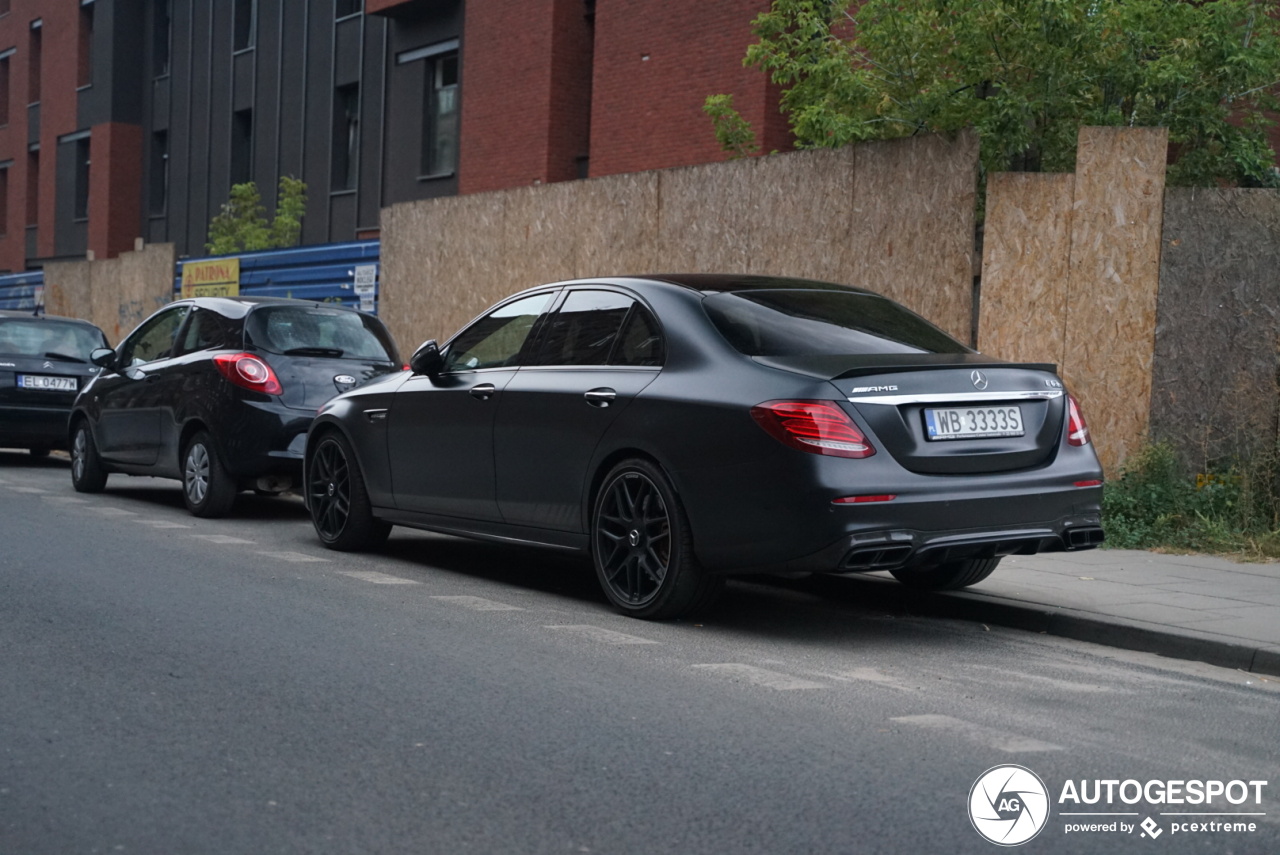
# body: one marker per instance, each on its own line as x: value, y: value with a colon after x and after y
x: 218, y: 278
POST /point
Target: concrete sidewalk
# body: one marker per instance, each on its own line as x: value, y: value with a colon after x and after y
x: 1184, y: 606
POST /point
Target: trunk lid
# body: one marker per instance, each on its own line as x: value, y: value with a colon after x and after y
x: 947, y: 414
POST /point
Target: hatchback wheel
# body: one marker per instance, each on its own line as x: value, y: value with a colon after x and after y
x: 339, y: 503
x: 947, y: 577
x: 643, y: 548
x: 208, y: 489
x: 88, y: 475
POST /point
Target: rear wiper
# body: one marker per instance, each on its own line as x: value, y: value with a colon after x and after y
x: 314, y: 351
x: 65, y: 357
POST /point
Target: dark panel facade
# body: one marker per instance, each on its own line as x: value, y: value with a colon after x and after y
x: 300, y: 89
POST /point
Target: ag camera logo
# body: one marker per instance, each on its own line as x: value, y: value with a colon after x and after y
x: 1008, y: 805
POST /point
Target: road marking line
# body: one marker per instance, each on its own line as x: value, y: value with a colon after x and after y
x: 292, y: 556
x: 761, y: 677
x: 113, y: 512
x: 868, y: 675
x: 600, y: 634
x: 989, y: 736
x: 377, y: 578
x: 479, y: 604
x: 222, y: 538
x: 162, y: 524
x: 28, y: 490
x: 68, y: 500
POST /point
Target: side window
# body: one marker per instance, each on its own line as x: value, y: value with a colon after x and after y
x: 585, y: 329
x: 206, y: 330
x: 154, y: 339
x: 640, y: 342
x: 496, y: 340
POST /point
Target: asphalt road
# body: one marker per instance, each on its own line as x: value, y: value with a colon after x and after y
x: 174, y: 685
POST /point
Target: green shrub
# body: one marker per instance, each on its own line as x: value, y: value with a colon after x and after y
x: 1155, y: 503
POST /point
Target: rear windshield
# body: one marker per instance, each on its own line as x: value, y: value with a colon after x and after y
x: 307, y: 331
x: 807, y: 323
x: 48, y: 339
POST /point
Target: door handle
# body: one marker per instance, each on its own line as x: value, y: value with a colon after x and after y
x: 601, y: 397
x: 484, y: 391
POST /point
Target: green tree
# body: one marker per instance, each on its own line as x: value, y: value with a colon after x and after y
x: 241, y: 225
x: 1027, y: 74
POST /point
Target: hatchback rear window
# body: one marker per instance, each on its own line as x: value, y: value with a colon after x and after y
x: 806, y: 323
x: 48, y: 339
x: 306, y: 331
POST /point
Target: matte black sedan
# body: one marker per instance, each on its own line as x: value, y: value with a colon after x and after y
x: 43, y: 363
x: 680, y: 428
x: 219, y: 392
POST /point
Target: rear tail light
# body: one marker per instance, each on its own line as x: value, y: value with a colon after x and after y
x: 858, y: 500
x: 818, y: 427
x: 1077, y: 430
x: 248, y: 372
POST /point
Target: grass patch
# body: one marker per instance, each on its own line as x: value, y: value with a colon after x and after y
x: 1156, y: 504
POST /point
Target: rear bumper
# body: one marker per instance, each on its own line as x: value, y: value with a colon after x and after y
x: 38, y: 427
x: 904, y: 547
x: 266, y: 438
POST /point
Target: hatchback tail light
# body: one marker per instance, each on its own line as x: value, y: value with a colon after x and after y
x: 1077, y: 430
x: 248, y: 372
x: 818, y: 427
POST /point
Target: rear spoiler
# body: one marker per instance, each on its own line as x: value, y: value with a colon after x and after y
x: 842, y: 366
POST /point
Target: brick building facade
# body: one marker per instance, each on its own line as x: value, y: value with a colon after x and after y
x: 126, y: 119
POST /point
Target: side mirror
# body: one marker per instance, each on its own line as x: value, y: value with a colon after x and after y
x: 103, y: 357
x: 427, y: 359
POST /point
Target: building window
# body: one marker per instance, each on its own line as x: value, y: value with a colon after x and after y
x: 84, y: 54
x: 82, y: 179
x: 346, y: 137
x: 241, y: 146
x: 440, y: 116
x: 343, y: 8
x: 4, y: 197
x: 246, y: 22
x: 33, y: 188
x: 161, y: 34
x: 159, y: 173
x: 4, y: 86
x: 33, y: 62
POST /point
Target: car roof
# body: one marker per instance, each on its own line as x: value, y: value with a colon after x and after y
x: 239, y: 307
x: 717, y: 282
x: 11, y: 313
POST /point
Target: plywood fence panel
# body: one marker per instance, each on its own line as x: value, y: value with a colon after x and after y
x: 1214, y: 385
x: 911, y: 234
x: 1025, y: 264
x: 802, y: 205
x: 68, y: 290
x: 143, y: 282
x: 445, y: 260
x: 705, y: 218
x: 1114, y: 276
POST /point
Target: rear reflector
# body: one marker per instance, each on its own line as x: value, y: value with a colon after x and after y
x: 248, y: 372
x: 818, y: 427
x: 857, y: 500
x: 1097, y: 482
x: 1077, y: 430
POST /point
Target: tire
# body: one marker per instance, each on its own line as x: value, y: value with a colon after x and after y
x: 642, y: 546
x: 207, y: 487
x: 946, y: 577
x: 339, y: 502
x: 38, y: 453
x: 88, y: 475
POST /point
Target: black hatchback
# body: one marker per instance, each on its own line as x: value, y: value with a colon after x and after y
x: 43, y: 363
x: 219, y: 392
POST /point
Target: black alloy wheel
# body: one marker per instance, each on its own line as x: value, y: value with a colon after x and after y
x: 207, y: 487
x: 88, y: 475
x: 946, y: 577
x: 340, y: 508
x: 643, y: 548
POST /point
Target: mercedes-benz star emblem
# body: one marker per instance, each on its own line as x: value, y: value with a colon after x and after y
x: 979, y: 380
